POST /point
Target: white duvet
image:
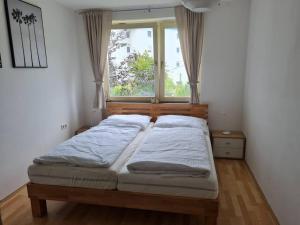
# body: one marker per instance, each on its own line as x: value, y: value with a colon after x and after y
x: 172, y: 151
x: 97, y: 147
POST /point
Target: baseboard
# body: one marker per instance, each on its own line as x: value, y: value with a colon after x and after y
x: 7, y: 198
x: 262, y: 193
x: 11, y: 195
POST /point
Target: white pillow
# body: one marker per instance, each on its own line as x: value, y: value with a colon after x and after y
x: 170, y: 121
x: 134, y: 119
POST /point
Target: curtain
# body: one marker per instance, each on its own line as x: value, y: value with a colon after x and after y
x: 98, y: 26
x: 190, y: 32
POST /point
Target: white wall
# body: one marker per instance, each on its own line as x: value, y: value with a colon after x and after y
x: 224, y: 62
x: 167, y: 13
x: 272, y: 104
x: 35, y: 102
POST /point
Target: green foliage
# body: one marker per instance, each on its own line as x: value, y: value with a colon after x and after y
x: 182, y: 90
x: 169, y: 86
x: 137, y: 76
x: 121, y: 90
x: 175, y: 89
x: 143, y: 62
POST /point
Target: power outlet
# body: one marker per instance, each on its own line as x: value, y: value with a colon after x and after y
x: 63, y: 126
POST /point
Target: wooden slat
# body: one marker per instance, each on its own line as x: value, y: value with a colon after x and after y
x: 155, y: 110
x: 165, y: 203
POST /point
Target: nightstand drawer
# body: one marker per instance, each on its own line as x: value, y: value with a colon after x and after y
x: 222, y: 152
x: 228, y: 143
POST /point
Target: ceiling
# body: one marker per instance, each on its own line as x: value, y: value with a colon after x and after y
x: 117, y: 4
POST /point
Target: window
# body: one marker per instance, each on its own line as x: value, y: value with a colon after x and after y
x: 134, y: 71
x: 131, y: 69
x: 175, y: 77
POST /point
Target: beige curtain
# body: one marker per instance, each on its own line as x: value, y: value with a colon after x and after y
x: 190, y: 32
x: 98, y: 26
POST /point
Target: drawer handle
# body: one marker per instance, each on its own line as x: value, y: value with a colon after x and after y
x: 227, y: 143
x: 227, y: 153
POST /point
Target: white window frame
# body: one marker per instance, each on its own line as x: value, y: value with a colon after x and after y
x: 159, y: 56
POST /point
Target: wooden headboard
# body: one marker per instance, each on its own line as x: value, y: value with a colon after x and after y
x: 155, y: 110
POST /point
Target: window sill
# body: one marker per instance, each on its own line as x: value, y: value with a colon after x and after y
x: 145, y: 101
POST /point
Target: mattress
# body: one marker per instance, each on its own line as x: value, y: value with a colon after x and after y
x: 173, y: 185
x: 100, y: 178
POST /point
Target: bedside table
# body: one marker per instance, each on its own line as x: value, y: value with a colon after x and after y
x: 82, y: 129
x: 230, y: 146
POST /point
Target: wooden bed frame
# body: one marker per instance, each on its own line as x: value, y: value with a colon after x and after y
x: 205, y: 209
x: 155, y: 110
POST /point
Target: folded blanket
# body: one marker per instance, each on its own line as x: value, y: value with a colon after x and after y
x: 172, y: 151
x: 97, y: 147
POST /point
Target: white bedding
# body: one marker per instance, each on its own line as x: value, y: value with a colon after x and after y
x: 198, y: 187
x: 169, y: 121
x: 75, y: 176
x: 97, y: 147
x: 172, y: 151
x: 132, y: 119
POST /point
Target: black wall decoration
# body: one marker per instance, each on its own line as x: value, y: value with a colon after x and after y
x: 0, y: 61
x: 26, y: 33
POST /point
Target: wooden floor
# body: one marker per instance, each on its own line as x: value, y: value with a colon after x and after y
x: 241, y: 203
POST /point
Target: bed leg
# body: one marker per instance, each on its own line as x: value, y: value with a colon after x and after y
x: 210, y: 220
x: 38, y: 207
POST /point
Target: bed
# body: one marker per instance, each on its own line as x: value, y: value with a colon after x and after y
x: 131, y: 192
x: 84, y: 177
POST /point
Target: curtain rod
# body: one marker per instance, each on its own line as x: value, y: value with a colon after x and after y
x: 143, y: 9
x: 129, y: 10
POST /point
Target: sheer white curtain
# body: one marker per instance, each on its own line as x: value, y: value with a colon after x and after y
x: 190, y: 32
x: 98, y: 26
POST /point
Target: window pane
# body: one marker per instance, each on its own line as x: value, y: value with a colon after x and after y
x: 131, y: 63
x: 176, y: 79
